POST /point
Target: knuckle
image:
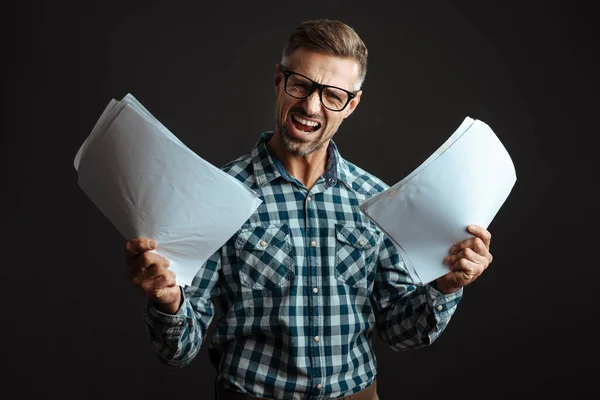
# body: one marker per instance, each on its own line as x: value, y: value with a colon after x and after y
x: 146, y: 286
x: 169, y: 281
x: 130, y: 248
x: 173, y: 278
x: 466, y: 244
x: 159, y: 260
x: 170, y: 274
x: 469, y: 274
x: 163, y: 262
x: 147, y: 258
x: 161, y: 280
x: 478, y: 243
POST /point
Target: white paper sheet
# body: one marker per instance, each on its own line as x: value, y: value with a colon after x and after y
x: 465, y: 181
x: 149, y: 184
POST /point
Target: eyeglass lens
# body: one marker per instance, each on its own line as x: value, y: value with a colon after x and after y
x: 300, y: 87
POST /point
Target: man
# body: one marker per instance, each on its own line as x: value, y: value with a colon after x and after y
x: 308, y: 278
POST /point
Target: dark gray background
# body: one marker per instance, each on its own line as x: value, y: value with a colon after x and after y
x: 71, y: 321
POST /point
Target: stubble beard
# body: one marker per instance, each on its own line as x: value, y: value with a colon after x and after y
x: 297, y: 147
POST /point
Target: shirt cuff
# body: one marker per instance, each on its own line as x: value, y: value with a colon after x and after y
x: 443, y: 305
x: 158, y: 319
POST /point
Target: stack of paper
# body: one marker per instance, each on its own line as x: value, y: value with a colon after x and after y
x: 149, y: 184
x: 464, y: 182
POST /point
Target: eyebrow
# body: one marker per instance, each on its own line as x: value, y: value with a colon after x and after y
x: 323, y: 84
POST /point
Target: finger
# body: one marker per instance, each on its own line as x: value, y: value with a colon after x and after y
x: 466, y: 270
x: 147, y: 266
x: 480, y: 248
x: 460, y: 246
x: 161, y: 287
x: 474, y: 243
x: 470, y: 255
x: 148, y: 274
x: 146, y: 260
x: 155, y: 286
x: 139, y: 245
x: 481, y: 233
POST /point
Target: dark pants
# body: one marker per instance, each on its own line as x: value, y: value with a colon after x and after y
x: 368, y: 393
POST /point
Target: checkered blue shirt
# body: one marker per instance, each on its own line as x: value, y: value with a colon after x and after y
x: 300, y: 289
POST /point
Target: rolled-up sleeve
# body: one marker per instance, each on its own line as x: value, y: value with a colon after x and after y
x: 408, y: 315
x: 177, y: 338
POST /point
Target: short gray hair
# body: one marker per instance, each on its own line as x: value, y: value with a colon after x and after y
x: 329, y: 37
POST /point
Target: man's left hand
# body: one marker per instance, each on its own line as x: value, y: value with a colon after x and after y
x: 468, y: 259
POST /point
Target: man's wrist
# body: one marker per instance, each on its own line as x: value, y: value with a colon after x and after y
x: 442, y: 286
x: 170, y: 308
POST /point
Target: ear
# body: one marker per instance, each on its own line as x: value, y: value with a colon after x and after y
x: 352, y: 105
x: 277, y: 79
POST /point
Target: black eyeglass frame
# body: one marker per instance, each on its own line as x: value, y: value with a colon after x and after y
x: 315, y: 86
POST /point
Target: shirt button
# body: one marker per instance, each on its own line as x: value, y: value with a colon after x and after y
x: 313, y: 243
x: 440, y: 308
x: 319, y: 386
x: 316, y: 338
x: 361, y: 242
x: 308, y: 198
x: 179, y: 323
x: 263, y: 243
x: 315, y: 290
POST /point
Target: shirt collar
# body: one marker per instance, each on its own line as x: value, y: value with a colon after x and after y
x: 267, y: 166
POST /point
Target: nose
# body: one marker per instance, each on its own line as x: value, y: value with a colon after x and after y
x: 312, y: 104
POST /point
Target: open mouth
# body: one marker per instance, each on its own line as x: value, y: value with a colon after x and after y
x: 305, y: 125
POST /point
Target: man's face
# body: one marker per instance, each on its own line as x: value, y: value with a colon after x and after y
x: 305, y: 125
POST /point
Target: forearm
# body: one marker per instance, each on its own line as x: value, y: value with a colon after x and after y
x: 416, y: 318
x: 177, y: 337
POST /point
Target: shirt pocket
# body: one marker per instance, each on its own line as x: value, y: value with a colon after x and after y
x: 355, y: 250
x: 265, y: 258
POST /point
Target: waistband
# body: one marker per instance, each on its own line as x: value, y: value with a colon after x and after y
x: 368, y: 393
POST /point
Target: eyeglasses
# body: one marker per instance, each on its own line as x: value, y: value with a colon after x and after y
x: 300, y: 87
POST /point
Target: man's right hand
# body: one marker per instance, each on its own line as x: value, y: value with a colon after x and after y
x: 149, y: 271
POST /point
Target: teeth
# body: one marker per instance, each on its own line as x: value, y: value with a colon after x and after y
x: 305, y: 122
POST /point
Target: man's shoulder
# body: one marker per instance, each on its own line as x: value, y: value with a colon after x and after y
x: 364, y: 181
x: 241, y: 168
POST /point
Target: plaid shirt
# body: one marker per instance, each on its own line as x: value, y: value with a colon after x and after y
x: 300, y: 289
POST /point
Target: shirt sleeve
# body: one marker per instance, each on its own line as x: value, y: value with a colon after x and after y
x: 408, y: 315
x: 177, y: 338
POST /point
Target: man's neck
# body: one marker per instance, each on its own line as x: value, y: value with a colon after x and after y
x: 306, y: 169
